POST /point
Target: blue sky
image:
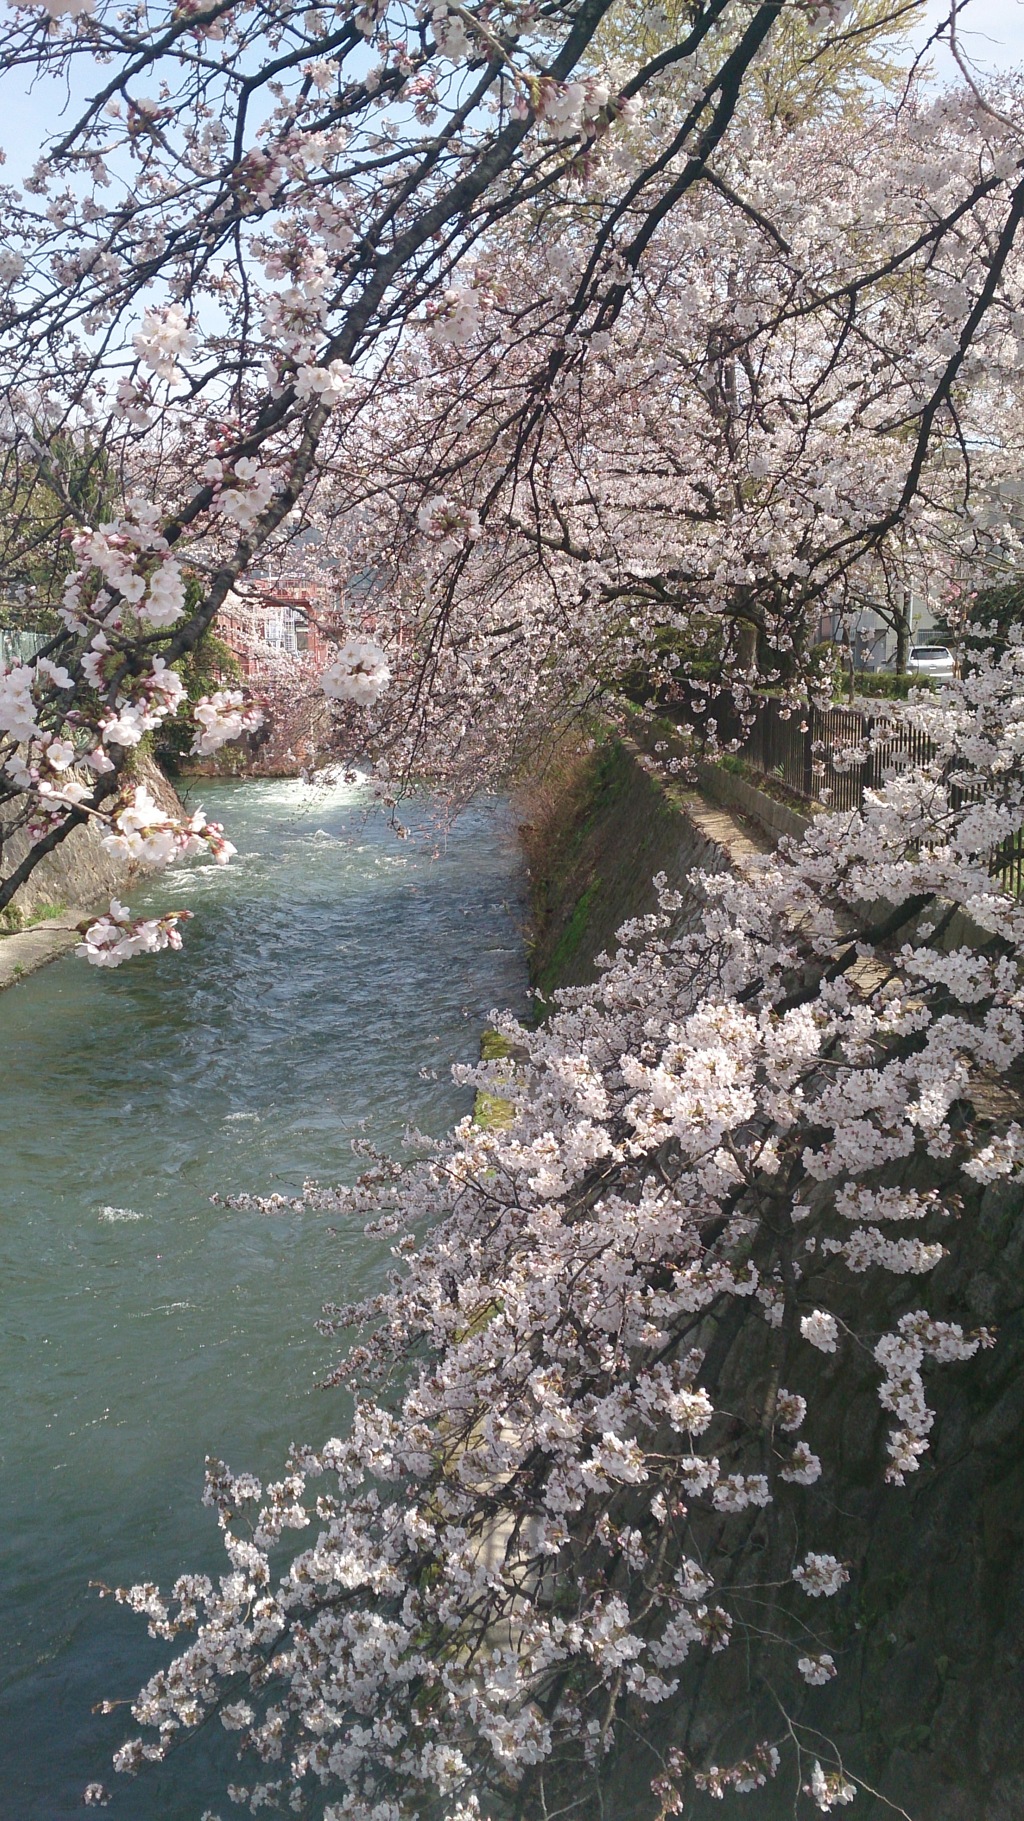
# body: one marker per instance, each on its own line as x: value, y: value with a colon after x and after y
x: 991, y: 32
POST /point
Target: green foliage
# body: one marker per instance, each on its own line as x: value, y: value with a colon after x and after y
x: 809, y: 72
x: 12, y: 919
x: 827, y: 654
x: 209, y: 666
x: 699, y: 652
x: 571, y: 939
x: 47, y: 913
x: 893, y: 685
x: 69, y: 483
x: 494, y: 1047
x: 492, y: 1112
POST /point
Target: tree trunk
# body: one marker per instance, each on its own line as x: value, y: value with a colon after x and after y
x: 902, y: 623
x: 746, y: 645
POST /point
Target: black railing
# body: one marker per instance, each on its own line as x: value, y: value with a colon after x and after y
x: 829, y: 755
x: 1008, y: 863
x: 833, y: 755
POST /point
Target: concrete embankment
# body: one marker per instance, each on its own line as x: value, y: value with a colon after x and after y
x: 77, y: 878
x: 601, y: 827
x: 928, y: 1708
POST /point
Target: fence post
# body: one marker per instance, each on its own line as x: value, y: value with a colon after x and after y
x: 809, y: 753
x: 867, y: 776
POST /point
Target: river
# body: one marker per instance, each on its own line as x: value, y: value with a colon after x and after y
x: 331, y: 976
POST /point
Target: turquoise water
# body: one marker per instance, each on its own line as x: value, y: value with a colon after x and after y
x: 330, y: 978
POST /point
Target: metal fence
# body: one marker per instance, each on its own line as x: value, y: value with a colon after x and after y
x: 829, y: 755
x: 1008, y: 863
x: 834, y: 755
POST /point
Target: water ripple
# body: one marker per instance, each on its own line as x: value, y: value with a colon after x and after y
x: 327, y: 984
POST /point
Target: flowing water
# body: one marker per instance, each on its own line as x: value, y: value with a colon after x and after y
x: 329, y: 980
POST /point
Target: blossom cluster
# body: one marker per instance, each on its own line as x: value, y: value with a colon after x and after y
x: 126, y: 561
x: 98, y: 712
x: 221, y: 718
x: 571, y: 108
x: 359, y: 672
x: 163, y: 340
x: 146, y: 835
x: 118, y: 936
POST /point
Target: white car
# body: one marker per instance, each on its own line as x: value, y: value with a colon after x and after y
x: 931, y: 661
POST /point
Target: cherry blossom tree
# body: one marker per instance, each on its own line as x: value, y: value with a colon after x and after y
x: 211, y: 266
x: 418, y: 276
x: 739, y: 451
x: 557, y: 1503
x: 566, y: 344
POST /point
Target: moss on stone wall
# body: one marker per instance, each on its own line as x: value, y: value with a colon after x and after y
x: 594, y: 846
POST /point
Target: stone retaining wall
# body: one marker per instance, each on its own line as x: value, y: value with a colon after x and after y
x: 77, y: 878
x: 601, y: 850
x: 929, y: 1635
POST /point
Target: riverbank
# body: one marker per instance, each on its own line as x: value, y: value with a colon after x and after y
x: 598, y: 829
x: 27, y: 950
x: 929, y: 1707
x: 71, y: 884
